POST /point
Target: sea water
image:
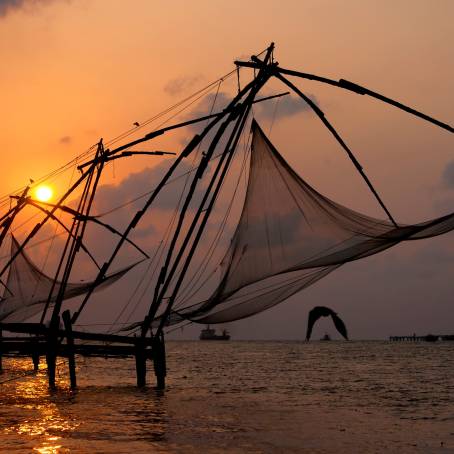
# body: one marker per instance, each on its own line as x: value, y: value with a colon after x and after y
x: 234, y: 397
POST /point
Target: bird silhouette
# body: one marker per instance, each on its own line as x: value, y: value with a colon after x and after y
x: 136, y: 124
x: 322, y: 311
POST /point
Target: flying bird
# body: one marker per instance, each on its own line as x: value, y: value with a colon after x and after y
x: 322, y: 311
x: 136, y: 123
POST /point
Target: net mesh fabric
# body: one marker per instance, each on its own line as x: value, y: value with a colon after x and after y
x: 28, y: 288
x: 288, y: 237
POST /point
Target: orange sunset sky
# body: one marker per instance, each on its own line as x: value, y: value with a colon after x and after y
x: 73, y: 71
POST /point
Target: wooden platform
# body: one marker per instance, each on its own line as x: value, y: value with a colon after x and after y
x: 426, y: 338
x: 39, y: 341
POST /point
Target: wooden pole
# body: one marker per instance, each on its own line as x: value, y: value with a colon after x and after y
x: 74, y: 240
x: 190, y: 147
x: 70, y: 346
x: 238, y: 118
x: 51, y: 362
x: 159, y: 361
x: 341, y: 142
x: 35, y: 355
x: 141, y: 363
x: 51, y: 351
x: 350, y: 86
x: 13, y: 213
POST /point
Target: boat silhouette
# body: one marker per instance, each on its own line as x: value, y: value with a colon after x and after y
x: 210, y: 334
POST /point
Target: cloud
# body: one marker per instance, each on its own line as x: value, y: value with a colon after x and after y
x: 110, y: 197
x: 65, y: 140
x: 210, y: 103
x: 138, y: 183
x: 287, y: 106
x: 448, y: 175
x: 7, y: 6
x: 181, y: 84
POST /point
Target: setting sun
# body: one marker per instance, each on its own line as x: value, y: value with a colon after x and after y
x: 43, y: 193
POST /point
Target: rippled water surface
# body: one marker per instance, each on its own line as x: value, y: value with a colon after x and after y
x: 241, y: 397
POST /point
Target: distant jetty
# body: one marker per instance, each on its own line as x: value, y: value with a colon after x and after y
x: 426, y: 338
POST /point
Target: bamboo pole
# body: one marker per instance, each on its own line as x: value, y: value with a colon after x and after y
x: 51, y: 352
x: 352, y: 87
x: 159, y: 361
x: 190, y: 147
x: 35, y: 354
x: 70, y: 349
x: 228, y: 153
x: 141, y: 362
x: 341, y: 142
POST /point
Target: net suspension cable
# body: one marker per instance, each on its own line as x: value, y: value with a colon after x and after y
x: 163, y: 244
x: 232, y: 142
x: 186, y: 152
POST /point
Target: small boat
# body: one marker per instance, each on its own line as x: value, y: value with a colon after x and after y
x: 210, y: 334
x: 326, y: 337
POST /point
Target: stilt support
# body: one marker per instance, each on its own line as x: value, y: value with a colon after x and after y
x: 141, y: 363
x: 159, y: 361
x: 70, y: 346
x: 51, y: 352
x: 51, y: 363
x: 35, y: 357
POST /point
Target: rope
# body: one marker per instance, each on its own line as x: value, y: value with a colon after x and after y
x: 46, y: 258
x: 87, y: 154
x: 276, y: 105
x: 188, y: 322
x: 164, y: 243
x: 197, y: 276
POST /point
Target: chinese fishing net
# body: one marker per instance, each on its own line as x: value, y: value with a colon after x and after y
x: 288, y: 237
x: 27, y: 288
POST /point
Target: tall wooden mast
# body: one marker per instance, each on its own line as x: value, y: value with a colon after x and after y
x: 237, y: 117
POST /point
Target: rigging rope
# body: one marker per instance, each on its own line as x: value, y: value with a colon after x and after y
x: 194, y: 280
x: 276, y: 105
x: 87, y: 154
x: 163, y: 244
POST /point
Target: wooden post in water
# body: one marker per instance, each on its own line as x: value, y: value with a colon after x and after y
x: 159, y: 361
x: 141, y: 363
x: 51, y: 351
x: 35, y: 354
x: 51, y: 361
x: 70, y: 347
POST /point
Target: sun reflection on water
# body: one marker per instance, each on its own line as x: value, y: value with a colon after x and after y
x: 103, y: 416
x: 50, y: 448
x: 43, y: 422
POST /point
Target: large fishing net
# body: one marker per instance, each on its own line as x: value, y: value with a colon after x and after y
x: 28, y: 288
x: 290, y: 236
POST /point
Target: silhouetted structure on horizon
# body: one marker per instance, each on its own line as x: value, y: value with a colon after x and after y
x: 426, y: 338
